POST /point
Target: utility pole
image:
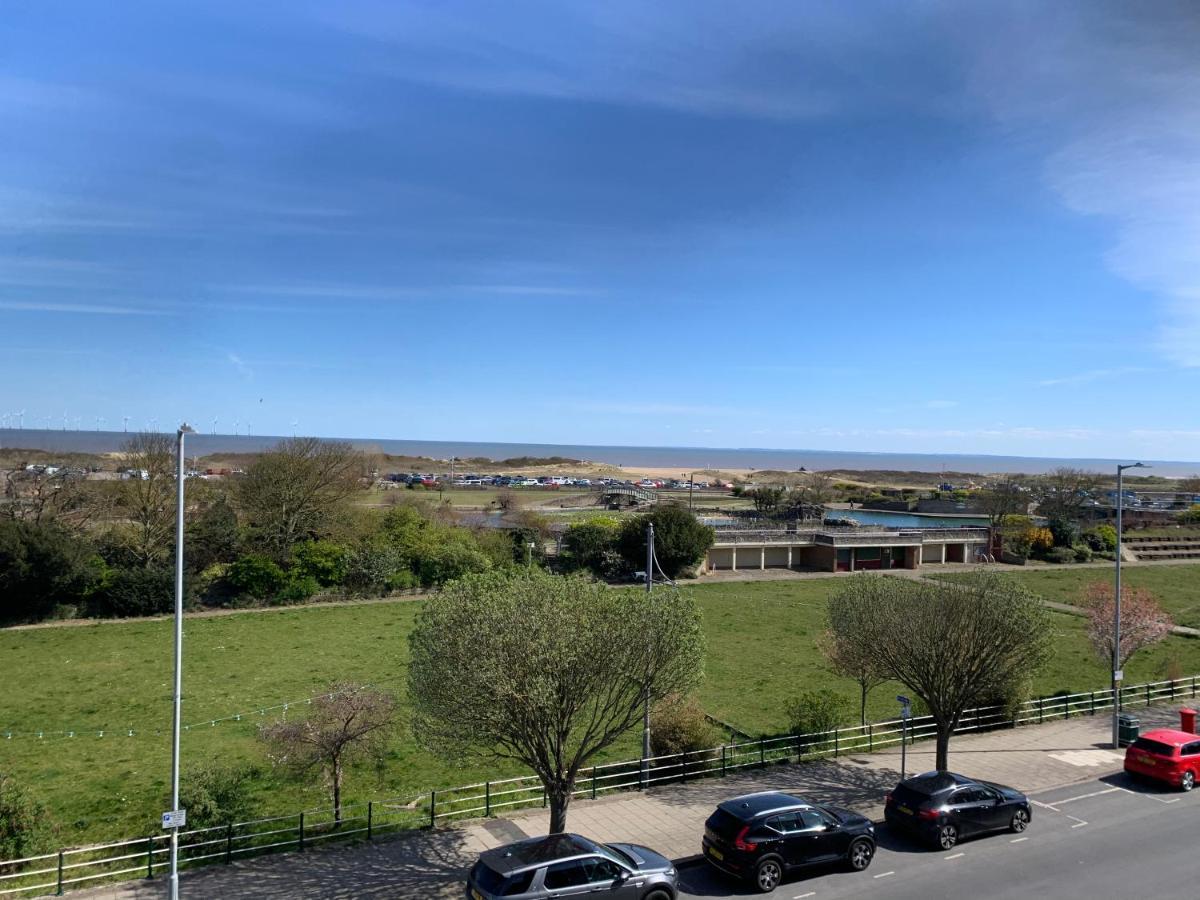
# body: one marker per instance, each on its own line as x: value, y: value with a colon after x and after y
x: 646, y: 712
x: 691, y: 487
x: 1117, y: 675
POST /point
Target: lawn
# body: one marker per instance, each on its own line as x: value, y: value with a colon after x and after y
x: 1176, y: 587
x: 761, y: 651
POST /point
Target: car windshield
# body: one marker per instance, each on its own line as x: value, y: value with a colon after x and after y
x: 906, y: 795
x: 829, y: 812
x: 621, y: 855
x: 1152, y: 746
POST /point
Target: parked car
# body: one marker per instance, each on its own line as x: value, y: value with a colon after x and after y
x: 1172, y: 757
x: 761, y: 837
x: 942, y: 807
x: 564, y: 865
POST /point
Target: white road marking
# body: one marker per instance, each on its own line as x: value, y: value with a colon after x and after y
x: 954, y: 856
x: 885, y: 874
x: 1042, y: 805
x: 1087, y: 758
x: 1018, y: 840
x: 1058, y: 803
x: 802, y: 896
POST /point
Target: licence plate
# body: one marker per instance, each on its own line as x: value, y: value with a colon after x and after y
x: 1145, y: 760
x: 715, y: 853
x: 905, y: 810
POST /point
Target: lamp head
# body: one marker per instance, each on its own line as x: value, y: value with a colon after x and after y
x: 185, y: 428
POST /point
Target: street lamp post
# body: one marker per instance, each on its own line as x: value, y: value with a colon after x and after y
x: 646, y: 710
x: 173, y: 882
x: 1118, y: 675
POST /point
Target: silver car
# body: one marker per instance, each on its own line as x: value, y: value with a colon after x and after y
x: 570, y: 865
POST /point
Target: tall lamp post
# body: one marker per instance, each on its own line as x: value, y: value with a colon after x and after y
x: 174, y: 822
x: 646, y: 710
x: 1118, y: 675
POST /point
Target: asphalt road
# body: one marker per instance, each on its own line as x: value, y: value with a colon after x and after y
x: 1111, y: 838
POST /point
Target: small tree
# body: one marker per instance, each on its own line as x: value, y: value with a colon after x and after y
x: 1190, y: 485
x: 851, y: 660
x: 547, y: 671
x: 678, y: 725
x: 767, y: 498
x: 349, y: 722
x: 680, y: 540
x: 1003, y: 498
x: 1143, y: 620
x: 585, y: 543
x: 25, y: 828
x: 955, y: 645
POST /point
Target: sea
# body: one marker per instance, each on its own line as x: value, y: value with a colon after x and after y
x: 682, y: 458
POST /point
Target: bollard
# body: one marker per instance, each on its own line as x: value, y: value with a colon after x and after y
x: 432, y: 808
x: 59, y: 892
x: 593, y: 782
x: 722, y: 760
x: 229, y: 844
x: 301, y: 832
x: 370, y: 817
x: 487, y: 799
x: 150, y: 857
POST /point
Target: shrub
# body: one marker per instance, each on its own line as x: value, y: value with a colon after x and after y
x: 256, y: 576
x: 324, y: 561
x: 1065, y: 532
x: 218, y: 795
x: 135, y: 592
x: 1190, y: 516
x: 1083, y: 553
x: 404, y: 580
x: 678, y: 725
x: 1039, y: 540
x: 41, y: 567
x: 296, y: 588
x: 25, y: 828
x: 1061, y: 555
x: 370, y: 566
x: 814, y: 712
x: 1101, y: 538
x: 445, y: 562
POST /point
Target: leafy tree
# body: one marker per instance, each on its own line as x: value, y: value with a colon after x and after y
x: 851, y: 660
x: 370, y: 566
x: 25, y: 828
x: 585, y: 543
x: 214, y: 794
x: 1102, y: 538
x: 297, y: 490
x: 349, y: 722
x: 767, y: 498
x: 1189, y: 485
x: 955, y: 645
x: 1190, y: 516
x: 1143, y: 620
x: 680, y: 540
x: 547, y: 671
x: 41, y: 567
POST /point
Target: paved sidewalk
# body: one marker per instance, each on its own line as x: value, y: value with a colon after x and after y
x: 432, y: 864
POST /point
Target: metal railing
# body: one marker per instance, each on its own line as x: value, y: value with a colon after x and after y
x: 145, y: 856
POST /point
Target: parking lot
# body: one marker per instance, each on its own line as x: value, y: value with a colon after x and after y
x: 1109, y: 837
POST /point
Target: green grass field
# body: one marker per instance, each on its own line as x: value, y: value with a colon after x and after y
x: 1176, y: 587
x: 762, y: 650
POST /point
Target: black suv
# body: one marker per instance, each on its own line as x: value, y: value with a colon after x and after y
x: 761, y: 836
x: 941, y: 807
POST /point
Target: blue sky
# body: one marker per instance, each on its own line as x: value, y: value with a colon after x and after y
x: 911, y: 227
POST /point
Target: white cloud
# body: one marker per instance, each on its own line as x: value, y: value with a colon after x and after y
x: 1093, y: 375
x: 85, y: 308
x: 940, y: 404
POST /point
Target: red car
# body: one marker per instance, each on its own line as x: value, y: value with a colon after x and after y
x: 1165, y: 755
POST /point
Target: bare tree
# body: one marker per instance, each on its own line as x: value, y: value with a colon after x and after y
x: 506, y: 500
x: 1063, y: 494
x: 146, y: 499
x: 1143, y: 620
x: 1190, y: 485
x: 1003, y: 497
x: 296, y: 490
x: 852, y: 660
x: 349, y: 722
x: 818, y: 488
x: 545, y: 670
x: 955, y: 645
x: 64, y: 496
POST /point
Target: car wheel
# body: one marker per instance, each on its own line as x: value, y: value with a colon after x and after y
x: 1020, y: 821
x: 657, y: 895
x: 1187, y: 781
x: 861, y: 853
x: 767, y: 875
x: 947, y: 836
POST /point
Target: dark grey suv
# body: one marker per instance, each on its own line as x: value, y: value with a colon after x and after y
x: 569, y: 865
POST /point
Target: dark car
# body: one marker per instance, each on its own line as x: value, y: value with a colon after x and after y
x: 760, y: 837
x: 569, y: 865
x: 941, y: 808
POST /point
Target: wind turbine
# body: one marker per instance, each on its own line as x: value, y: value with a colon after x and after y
x: 125, y: 423
x: 295, y: 422
x: 64, y: 420
x: 100, y: 420
x: 247, y: 428
x: 214, y: 431
x: 21, y: 417
x: 3, y: 420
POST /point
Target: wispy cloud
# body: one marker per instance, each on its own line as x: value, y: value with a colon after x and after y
x: 82, y: 308
x: 940, y: 404
x: 1093, y: 375
x: 1112, y: 92
x: 238, y: 363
